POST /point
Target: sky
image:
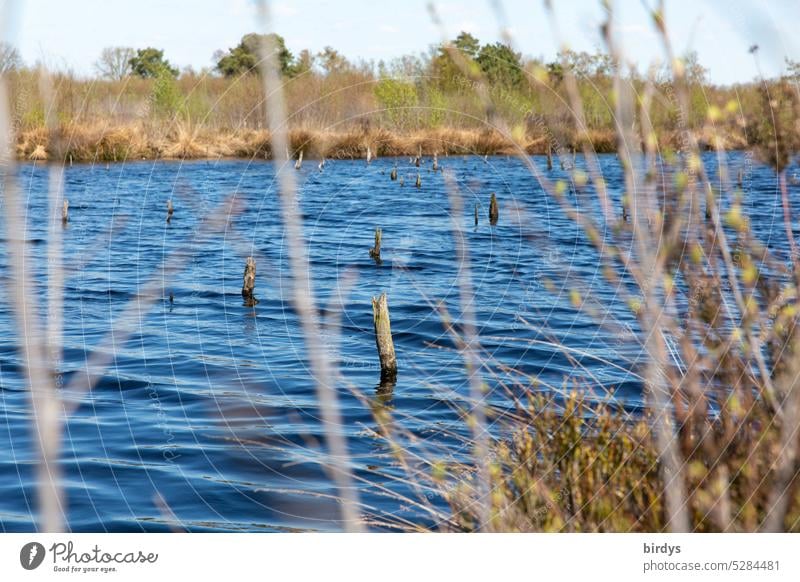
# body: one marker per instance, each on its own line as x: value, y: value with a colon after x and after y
x: 71, y: 34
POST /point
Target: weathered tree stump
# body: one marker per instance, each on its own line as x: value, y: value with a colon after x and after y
x: 249, y: 282
x: 299, y: 163
x: 416, y: 161
x: 369, y: 155
x: 402, y: 181
x: 383, y: 338
x: 393, y: 175
x: 419, y: 181
x: 494, y: 211
x: 375, y: 252
x: 65, y: 212
x: 435, y: 163
x: 170, y: 210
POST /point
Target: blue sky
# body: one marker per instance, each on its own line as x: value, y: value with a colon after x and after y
x: 72, y: 33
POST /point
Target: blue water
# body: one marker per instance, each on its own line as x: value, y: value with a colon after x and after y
x: 209, y: 405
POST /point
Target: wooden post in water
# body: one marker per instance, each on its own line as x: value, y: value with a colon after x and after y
x: 435, y: 163
x: 249, y: 282
x: 299, y: 163
x: 393, y: 175
x: 549, y: 157
x: 419, y: 181
x: 383, y: 338
x: 740, y: 177
x: 369, y: 155
x: 170, y: 210
x: 65, y: 212
x: 375, y: 252
x: 494, y: 212
x: 476, y: 215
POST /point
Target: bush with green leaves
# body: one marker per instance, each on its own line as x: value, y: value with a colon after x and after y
x: 399, y: 100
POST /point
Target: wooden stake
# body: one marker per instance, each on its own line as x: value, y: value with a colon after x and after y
x: 476, y: 214
x: 383, y: 337
x: 494, y: 212
x: 170, y: 210
x: 419, y: 181
x: 249, y: 282
x: 375, y: 252
x: 393, y: 175
x: 549, y: 157
x: 299, y: 163
x: 369, y: 155
x: 65, y: 212
x: 435, y: 163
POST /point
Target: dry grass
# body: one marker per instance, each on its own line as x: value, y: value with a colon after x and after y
x: 101, y: 142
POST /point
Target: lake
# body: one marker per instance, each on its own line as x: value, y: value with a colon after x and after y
x: 208, y: 411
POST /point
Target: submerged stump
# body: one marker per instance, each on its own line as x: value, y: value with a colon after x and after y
x: 249, y: 282
x: 65, y: 212
x: 375, y: 251
x: 383, y: 338
x: 393, y: 175
x: 494, y: 212
x: 419, y: 181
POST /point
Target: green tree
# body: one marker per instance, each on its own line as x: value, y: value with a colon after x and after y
x: 244, y: 57
x: 468, y: 45
x: 149, y: 63
x: 500, y: 64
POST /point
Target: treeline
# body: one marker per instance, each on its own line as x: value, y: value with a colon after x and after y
x: 444, y: 90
